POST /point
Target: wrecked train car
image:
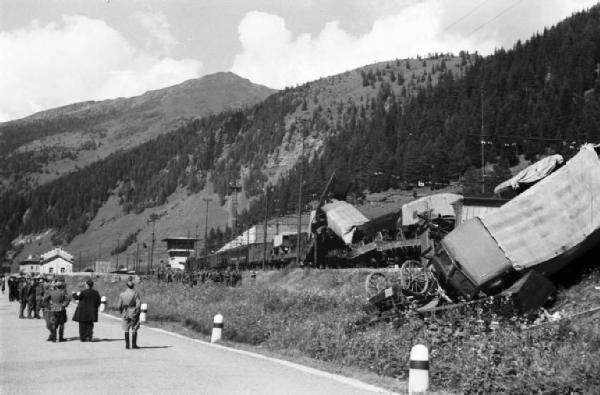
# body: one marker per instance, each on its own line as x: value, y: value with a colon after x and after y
x: 543, y: 229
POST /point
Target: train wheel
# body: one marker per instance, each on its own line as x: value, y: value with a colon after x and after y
x: 414, y: 277
x: 375, y: 283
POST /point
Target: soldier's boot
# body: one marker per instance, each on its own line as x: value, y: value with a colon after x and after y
x: 134, y: 340
x: 127, y: 340
x: 61, y: 332
x: 52, y: 336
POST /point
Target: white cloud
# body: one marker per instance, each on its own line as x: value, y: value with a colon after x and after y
x: 157, y: 26
x: 44, y: 66
x: 272, y: 55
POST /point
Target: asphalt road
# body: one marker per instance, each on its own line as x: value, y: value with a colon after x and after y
x: 165, y: 364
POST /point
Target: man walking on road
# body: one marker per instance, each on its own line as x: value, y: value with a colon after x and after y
x: 57, y: 300
x: 86, y: 312
x: 130, y: 307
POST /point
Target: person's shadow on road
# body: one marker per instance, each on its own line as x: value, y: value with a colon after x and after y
x: 96, y: 340
x: 142, y: 347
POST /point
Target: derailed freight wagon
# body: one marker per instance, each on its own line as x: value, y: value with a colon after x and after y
x: 543, y: 229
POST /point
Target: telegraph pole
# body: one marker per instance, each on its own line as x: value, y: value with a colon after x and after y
x: 482, y: 149
x: 264, y: 262
x: 152, y: 245
x: 137, y: 257
x: 206, y: 234
x: 117, y: 249
x: 299, y: 243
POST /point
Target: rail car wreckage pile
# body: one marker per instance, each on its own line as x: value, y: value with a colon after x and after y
x: 445, y: 250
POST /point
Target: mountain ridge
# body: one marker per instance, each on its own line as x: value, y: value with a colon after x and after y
x: 56, y: 141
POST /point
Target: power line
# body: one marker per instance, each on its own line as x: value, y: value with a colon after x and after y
x: 496, y: 17
x: 465, y: 15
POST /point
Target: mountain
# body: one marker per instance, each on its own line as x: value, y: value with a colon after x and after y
x: 386, y: 125
x: 48, y: 144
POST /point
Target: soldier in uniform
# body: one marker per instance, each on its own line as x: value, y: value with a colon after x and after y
x: 24, y: 288
x: 57, y: 301
x: 130, y: 308
x: 39, y: 296
x: 48, y: 287
x: 87, y: 311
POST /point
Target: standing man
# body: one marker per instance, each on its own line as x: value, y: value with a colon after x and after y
x: 130, y: 308
x: 86, y: 312
x: 57, y: 301
x: 11, y: 288
x: 24, y: 289
x: 39, y: 295
x: 31, y: 299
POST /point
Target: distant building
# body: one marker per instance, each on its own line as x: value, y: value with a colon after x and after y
x: 56, y: 261
x: 256, y: 235
x: 30, y: 265
x: 179, y: 249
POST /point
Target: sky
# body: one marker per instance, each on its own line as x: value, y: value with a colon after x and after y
x: 57, y: 52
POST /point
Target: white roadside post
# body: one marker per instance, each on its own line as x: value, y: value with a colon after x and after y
x: 103, y: 303
x: 217, y: 328
x: 418, y: 373
x: 143, y: 313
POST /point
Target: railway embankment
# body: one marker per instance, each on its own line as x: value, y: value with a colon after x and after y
x: 317, y: 316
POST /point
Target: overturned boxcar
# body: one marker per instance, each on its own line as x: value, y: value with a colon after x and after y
x: 544, y: 228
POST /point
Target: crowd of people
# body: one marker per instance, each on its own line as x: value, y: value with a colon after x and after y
x: 48, y: 295
x: 228, y: 277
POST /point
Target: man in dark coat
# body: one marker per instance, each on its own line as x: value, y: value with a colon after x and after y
x: 39, y: 295
x: 86, y: 312
x: 24, y: 290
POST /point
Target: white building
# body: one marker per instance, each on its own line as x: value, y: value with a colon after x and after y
x: 30, y: 265
x: 56, y: 261
x: 179, y: 249
x: 256, y: 235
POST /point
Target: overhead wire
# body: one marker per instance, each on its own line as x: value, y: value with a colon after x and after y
x: 504, y: 11
x: 465, y: 15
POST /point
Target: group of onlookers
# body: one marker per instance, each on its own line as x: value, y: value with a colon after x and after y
x: 49, y: 296
x: 229, y: 277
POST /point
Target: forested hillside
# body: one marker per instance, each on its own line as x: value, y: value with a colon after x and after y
x: 48, y: 144
x: 385, y: 125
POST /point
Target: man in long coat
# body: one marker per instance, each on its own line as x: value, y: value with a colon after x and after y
x: 24, y: 291
x: 86, y: 312
x: 130, y: 305
x: 39, y: 295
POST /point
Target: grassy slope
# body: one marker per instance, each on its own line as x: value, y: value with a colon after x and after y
x: 317, y: 314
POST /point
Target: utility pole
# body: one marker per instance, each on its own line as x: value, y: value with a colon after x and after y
x: 299, y: 243
x: 152, y: 245
x: 137, y: 257
x: 117, y: 249
x: 234, y: 187
x: 196, y: 243
x: 482, y: 149
x: 204, y: 266
x: 264, y: 262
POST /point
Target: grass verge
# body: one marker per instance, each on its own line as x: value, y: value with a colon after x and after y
x: 316, y: 316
